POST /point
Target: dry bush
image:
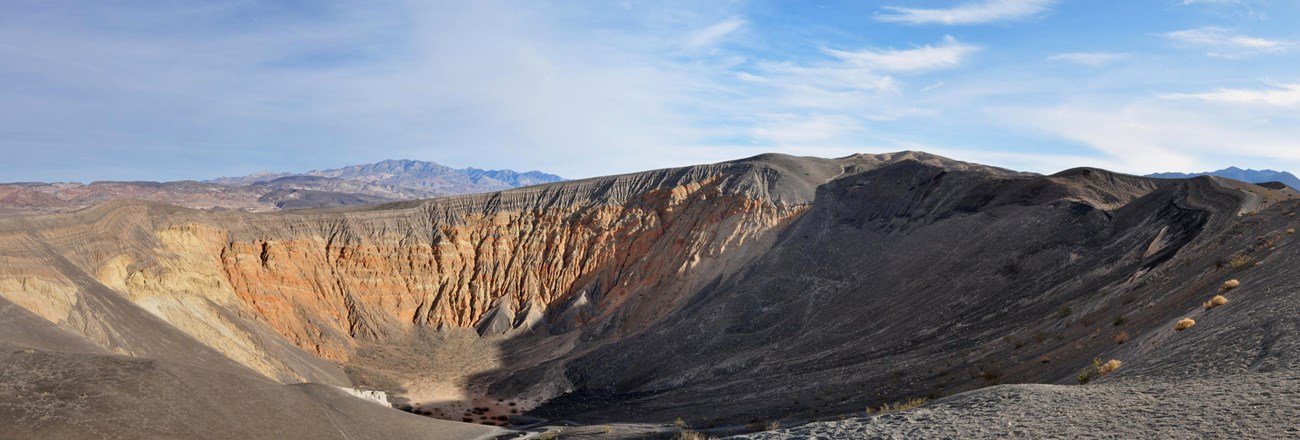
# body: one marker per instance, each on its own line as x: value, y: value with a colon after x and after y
x: 1218, y: 300
x: 1086, y: 375
x: 1230, y: 284
x: 900, y: 406
x: 1184, y: 324
x: 1241, y: 260
x: 679, y: 423
x: 772, y: 426
x: 1290, y: 231
x: 1121, y: 338
x: 687, y: 434
x: 1109, y: 366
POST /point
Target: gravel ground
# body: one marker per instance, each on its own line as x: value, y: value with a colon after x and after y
x: 1261, y: 405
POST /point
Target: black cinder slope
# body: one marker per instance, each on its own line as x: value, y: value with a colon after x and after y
x: 914, y: 280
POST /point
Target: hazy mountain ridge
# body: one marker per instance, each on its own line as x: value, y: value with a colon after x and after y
x: 1244, y: 175
x: 389, y: 180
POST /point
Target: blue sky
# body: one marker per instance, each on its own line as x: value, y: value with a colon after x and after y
x: 161, y: 90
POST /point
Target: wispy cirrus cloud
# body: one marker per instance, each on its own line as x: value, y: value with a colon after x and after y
x: 1136, y: 136
x: 1093, y: 59
x: 829, y: 101
x: 947, y: 54
x: 712, y: 34
x: 977, y: 12
x: 1280, y: 95
x: 1225, y: 43
x: 851, y: 78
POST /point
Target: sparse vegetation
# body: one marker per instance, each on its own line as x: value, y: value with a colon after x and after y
x: 548, y: 435
x: 1241, y: 260
x: 1230, y: 284
x: 1086, y: 375
x: 1121, y: 338
x: 1218, y: 300
x: 1109, y: 366
x: 679, y: 423
x: 1064, y: 311
x: 1089, y: 373
x: 772, y: 426
x: 900, y: 406
x: 991, y: 374
x: 1184, y: 324
x: 687, y: 434
x: 1119, y: 320
x: 1290, y: 231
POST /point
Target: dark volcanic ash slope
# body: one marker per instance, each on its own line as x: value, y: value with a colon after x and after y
x: 917, y: 281
x: 771, y: 288
x: 1231, y: 375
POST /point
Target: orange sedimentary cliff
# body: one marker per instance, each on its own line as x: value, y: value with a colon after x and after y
x: 325, y: 286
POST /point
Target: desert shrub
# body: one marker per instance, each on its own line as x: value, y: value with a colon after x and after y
x: 1230, y: 284
x: 1064, y: 311
x: 1086, y: 375
x: 1109, y: 366
x: 991, y: 374
x: 900, y: 406
x: 1218, y: 300
x: 1241, y: 260
x: 1015, y: 343
x: 687, y: 434
x: 1290, y: 231
x: 1040, y: 337
x: 679, y: 423
x: 1121, y: 338
x: 1184, y: 324
x: 548, y: 435
x: 1119, y: 320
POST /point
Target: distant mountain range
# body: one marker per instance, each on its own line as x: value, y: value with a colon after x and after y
x: 384, y: 181
x: 1251, y: 176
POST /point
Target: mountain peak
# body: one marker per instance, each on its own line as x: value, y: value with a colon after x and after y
x: 1244, y: 175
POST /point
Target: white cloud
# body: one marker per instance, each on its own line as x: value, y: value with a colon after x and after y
x: 707, y: 37
x: 788, y: 130
x: 948, y: 54
x: 861, y: 82
x: 1093, y: 59
x: 1140, y: 136
x: 1282, y: 95
x: 1224, y: 43
x: 977, y: 12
